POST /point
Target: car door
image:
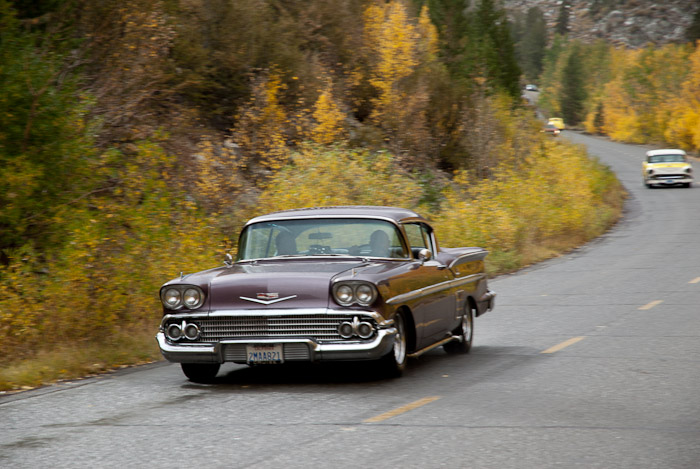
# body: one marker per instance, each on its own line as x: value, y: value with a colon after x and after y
x: 434, y: 308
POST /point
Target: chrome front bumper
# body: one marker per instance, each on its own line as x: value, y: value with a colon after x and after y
x: 294, y: 349
x: 660, y: 180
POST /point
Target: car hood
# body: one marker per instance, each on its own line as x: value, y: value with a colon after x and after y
x: 667, y: 165
x: 276, y: 285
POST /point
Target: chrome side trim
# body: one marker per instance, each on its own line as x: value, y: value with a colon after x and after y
x: 415, y: 294
x: 472, y: 256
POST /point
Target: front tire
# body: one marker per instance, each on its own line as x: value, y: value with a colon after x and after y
x: 466, y: 332
x: 200, y: 372
x: 393, y: 364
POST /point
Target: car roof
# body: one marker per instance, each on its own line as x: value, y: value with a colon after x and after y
x: 395, y: 214
x: 666, y: 151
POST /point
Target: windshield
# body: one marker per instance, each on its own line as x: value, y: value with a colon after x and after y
x: 671, y: 158
x: 321, y: 237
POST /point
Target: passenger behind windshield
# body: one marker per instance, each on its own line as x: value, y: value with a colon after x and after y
x: 285, y: 243
x: 379, y: 244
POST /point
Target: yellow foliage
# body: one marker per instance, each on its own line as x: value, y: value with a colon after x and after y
x: 684, y: 124
x: 651, y: 97
x: 393, y: 44
x: 261, y: 126
x: 120, y: 249
x: 429, y: 41
x: 557, y: 195
x: 329, y: 119
x: 322, y: 177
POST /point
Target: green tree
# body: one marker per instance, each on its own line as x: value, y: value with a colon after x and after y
x: 44, y: 144
x: 573, y: 91
x: 562, y: 25
x: 476, y: 42
x: 451, y: 21
x: 692, y: 34
x: 532, y: 44
x: 495, y: 51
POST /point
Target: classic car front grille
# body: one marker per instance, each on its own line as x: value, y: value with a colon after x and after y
x: 668, y: 176
x: 319, y: 327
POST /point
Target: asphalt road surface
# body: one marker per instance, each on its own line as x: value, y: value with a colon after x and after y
x: 590, y: 360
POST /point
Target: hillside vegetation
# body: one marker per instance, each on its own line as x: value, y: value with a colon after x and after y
x: 137, y: 136
x: 649, y: 95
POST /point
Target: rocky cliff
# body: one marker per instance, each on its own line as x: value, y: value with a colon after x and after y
x: 631, y: 23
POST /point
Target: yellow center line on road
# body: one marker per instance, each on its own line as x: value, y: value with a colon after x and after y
x: 564, y: 344
x: 695, y: 280
x: 402, y: 409
x: 650, y: 305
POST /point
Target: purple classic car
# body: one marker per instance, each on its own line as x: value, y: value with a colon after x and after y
x: 320, y: 284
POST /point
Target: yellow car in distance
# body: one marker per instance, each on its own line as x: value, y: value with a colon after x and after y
x: 557, y: 122
x: 667, y: 167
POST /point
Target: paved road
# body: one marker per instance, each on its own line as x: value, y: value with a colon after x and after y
x: 590, y: 360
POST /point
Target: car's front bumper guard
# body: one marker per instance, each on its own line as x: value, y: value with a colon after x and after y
x: 661, y: 180
x: 381, y: 345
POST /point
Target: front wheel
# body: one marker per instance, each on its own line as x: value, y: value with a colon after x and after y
x: 394, y: 363
x: 200, y: 372
x: 466, y: 333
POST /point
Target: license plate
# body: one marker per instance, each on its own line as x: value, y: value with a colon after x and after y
x: 264, y: 354
x: 670, y: 181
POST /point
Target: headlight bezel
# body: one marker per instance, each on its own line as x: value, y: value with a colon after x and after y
x: 368, y: 297
x: 182, y: 291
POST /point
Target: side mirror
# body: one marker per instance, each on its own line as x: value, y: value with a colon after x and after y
x: 228, y: 260
x: 425, y: 255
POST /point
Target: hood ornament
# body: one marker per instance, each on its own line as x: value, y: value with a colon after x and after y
x: 267, y: 298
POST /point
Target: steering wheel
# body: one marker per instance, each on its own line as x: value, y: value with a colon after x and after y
x: 319, y: 249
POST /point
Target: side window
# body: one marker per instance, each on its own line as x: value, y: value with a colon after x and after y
x: 419, y: 237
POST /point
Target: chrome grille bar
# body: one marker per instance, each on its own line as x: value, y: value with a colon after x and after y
x: 318, y: 327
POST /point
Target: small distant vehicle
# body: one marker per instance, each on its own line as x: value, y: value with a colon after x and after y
x: 531, y: 87
x: 667, y: 167
x: 551, y: 129
x: 557, y: 122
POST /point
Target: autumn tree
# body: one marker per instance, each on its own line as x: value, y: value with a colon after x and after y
x: 684, y: 125
x: 328, y: 117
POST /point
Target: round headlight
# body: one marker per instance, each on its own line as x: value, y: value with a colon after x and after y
x: 171, y: 298
x: 344, y: 294
x: 365, y: 330
x: 192, y: 298
x: 174, y: 332
x: 345, y: 330
x: 365, y: 294
x: 191, y: 331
